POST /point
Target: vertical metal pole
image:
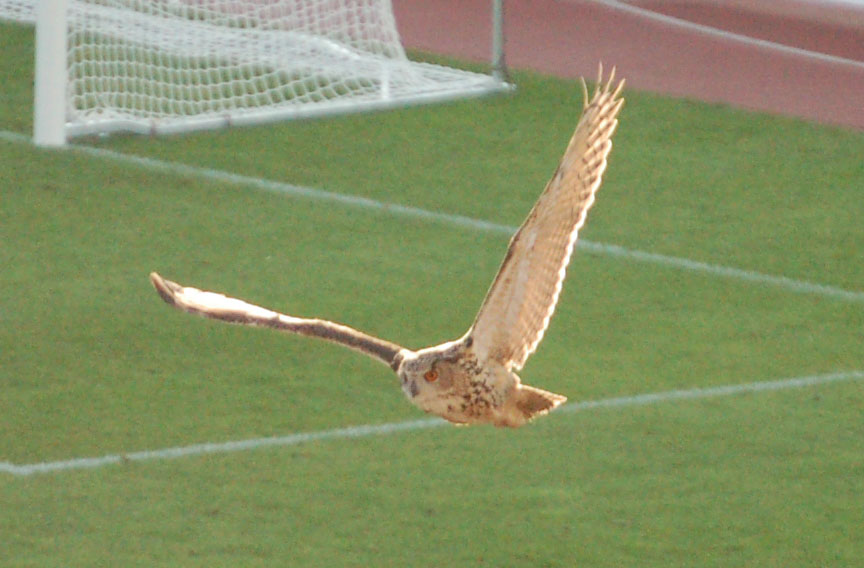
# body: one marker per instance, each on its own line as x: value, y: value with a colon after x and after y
x: 49, y: 106
x: 499, y: 66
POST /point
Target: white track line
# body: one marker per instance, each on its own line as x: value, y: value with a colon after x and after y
x: 29, y: 18
x: 799, y: 286
x: 393, y: 427
x: 730, y: 36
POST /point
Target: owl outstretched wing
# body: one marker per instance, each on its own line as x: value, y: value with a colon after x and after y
x: 522, y: 298
x: 218, y: 306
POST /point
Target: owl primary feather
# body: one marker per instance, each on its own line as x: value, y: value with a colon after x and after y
x: 473, y: 379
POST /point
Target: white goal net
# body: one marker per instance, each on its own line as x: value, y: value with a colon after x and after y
x: 162, y: 66
x: 18, y: 10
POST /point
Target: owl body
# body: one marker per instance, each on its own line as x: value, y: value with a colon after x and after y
x: 450, y: 381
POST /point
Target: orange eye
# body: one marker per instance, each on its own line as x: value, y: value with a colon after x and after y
x: 431, y: 376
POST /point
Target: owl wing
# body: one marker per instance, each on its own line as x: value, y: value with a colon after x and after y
x: 232, y: 310
x: 522, y: 298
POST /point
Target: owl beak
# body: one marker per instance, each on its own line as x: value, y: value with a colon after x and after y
x: 410, y: 388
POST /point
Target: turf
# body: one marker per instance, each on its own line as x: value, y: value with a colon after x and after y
x: 91, y: 362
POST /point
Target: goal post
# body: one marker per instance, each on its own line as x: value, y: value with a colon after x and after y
x: 499, y: 65
x: 169, y: 66
x: 49, y: 100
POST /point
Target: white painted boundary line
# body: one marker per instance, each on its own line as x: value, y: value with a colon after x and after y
x: 393, y: 427
x: 799, y: 286
x: 730, y: 36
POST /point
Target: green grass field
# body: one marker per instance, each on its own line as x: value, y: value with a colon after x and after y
x: 92, y: 363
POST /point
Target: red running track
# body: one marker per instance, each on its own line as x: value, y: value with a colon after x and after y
x: 781, y: 56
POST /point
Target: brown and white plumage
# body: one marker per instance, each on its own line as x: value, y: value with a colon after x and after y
x: 471, y: 379
x: 523, y: 295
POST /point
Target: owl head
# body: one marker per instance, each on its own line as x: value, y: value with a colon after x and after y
x: 428, y: 375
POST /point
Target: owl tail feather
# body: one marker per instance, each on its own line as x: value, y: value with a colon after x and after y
x: 527, y: 403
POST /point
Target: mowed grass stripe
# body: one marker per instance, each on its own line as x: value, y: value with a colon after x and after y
x: 394, y: 427
x: 799, y: 286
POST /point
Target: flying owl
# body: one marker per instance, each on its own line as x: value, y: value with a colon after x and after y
x: 473, y: 379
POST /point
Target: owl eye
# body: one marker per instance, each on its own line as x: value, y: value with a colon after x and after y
x: 431, y: 376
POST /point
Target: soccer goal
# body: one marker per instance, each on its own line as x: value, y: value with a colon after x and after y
x: 168, y: 66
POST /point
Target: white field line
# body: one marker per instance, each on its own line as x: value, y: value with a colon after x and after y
x: 366, y: 431
x: 730, y: 36
x: 407, y: 211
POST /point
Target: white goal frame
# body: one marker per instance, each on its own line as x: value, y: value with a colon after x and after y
x: 54, y: 120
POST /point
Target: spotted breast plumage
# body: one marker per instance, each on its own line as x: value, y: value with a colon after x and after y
x: 473, y: 379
